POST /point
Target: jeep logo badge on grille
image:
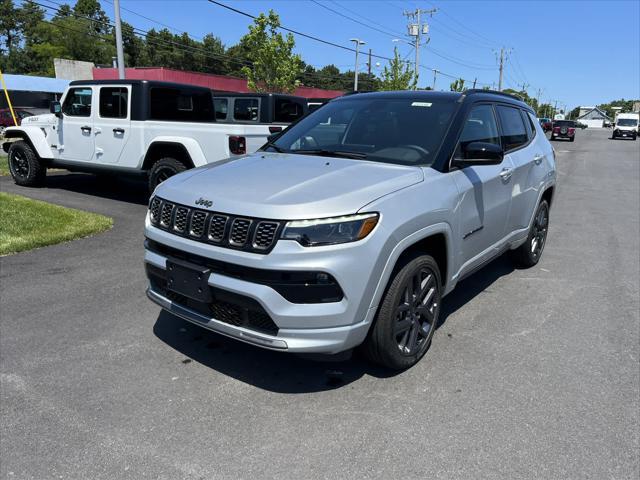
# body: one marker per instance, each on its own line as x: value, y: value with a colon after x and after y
x: 204, y: 202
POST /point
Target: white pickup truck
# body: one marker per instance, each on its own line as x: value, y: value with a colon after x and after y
x: 139, y: 127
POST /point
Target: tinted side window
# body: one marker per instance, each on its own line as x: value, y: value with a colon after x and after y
x: 514, y: 133
x: 181, y: 105
x: 287, y: 110
x: 246, y: 109
x: 221, y: 106
x: 113, y: 102
x: 77, y: 103
x: 480, y: 126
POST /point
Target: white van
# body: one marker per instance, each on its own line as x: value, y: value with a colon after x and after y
x: 626, y: 126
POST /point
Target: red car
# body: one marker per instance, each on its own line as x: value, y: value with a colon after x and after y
x: 546, y: 124
x: 6, y: 120
x: 564, y: 129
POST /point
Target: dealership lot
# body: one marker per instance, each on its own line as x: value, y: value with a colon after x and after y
x: 533, y: 373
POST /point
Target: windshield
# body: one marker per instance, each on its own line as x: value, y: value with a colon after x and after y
x: 564, y: 123
x: 405, y: 131
x: 627, y: 122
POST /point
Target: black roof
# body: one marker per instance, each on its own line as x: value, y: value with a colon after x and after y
x: 476, y: 94
x: 152, y: 83
x: 217, y: 93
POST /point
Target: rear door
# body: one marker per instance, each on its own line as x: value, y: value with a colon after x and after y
x: 112, y: 125
x: 485, y: 190
x: 528, y: 158
x: 76, y: 133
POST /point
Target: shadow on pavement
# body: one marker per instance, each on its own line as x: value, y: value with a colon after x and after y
x: 291, y: 373
x: 124, y: 189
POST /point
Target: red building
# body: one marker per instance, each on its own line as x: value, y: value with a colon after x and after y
x: 222, y: 83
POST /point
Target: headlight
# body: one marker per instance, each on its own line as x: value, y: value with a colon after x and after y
x: 329, y: 231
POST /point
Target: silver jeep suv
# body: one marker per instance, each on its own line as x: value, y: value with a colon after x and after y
x: 351, y: 225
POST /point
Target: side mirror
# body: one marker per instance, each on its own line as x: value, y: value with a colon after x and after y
x: 480, y: 153
x: 55, y: 108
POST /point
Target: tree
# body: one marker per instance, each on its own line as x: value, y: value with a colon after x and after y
x: 274, y: 66
x: 457, y: 86
x: 398, y: 75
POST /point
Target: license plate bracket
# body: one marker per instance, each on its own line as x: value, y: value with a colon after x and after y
x: 189, y: 280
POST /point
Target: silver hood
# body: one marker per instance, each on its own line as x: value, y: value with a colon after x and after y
x: 288, y: 186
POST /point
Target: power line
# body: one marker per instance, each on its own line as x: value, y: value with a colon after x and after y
x: 165, y: 43
x: 392, y: 35
x: 206, y: 53
x: 365, y: 18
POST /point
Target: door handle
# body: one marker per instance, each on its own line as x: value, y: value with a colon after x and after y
x: 538, y: 159
x: 85, y: 129
x: 118, y: 130
x: 506, y: 173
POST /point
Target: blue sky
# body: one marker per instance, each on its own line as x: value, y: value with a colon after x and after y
x: 577, y: 52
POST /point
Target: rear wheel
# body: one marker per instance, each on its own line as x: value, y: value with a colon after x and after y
x: 25, y: 166
x: 573, y: 138
x: 528, y: 254
x: 407, y: 317
x: 163, y: 169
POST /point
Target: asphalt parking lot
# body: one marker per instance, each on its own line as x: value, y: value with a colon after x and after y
x: 532, y: 374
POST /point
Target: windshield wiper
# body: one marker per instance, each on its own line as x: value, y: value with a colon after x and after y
x: 332, y: 153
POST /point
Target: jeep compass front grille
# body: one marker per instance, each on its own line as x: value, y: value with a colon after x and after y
x: 250, y: 234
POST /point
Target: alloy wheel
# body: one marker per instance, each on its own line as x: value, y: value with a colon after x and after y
x: 540, y: 226
x: 19, y: 164
x: 417, y: 312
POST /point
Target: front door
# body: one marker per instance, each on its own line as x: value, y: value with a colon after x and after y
x: 485, y: 191
x: 112, y: 124
x: 76, y: 136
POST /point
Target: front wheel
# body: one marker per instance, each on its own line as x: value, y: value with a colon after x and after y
x: 26, y: 168
x: 163, y: 169
x: 528, y: 254
x: 407, y: 317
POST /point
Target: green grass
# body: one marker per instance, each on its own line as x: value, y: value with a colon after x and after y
x: 27, y: 224
x: 4, y: 164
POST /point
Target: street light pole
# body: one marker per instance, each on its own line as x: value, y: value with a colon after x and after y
x: 358, y: 42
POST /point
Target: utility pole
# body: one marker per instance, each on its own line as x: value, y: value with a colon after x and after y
x: 369, y: 64
x: 358, y: 42
x: 474, y: 82
x: 555, y: 106
x: 538, y: 102
x: 416, y: 30
x: 435, y: 73
x: 119, y: 49
x: 503, y: 56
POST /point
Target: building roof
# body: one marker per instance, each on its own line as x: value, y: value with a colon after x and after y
x: 27, y: 83
x: 591, y: 110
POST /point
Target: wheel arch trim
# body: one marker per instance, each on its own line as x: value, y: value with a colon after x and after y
x: 441, y: 228
x: 190, y: 150
x: 33, y: 136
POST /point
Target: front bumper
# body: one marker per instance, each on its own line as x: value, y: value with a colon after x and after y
x: 301, y: 327
x: 321, y: 340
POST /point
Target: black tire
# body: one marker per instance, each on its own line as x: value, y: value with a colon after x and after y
x: 573, y: 138
x: 26, y: 168
x: 407, y: 317
x: 552, y: 138
x: 528, y: 254
x: 163, y: 169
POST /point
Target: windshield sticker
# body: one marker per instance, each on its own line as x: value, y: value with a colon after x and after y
x: 421, y: 104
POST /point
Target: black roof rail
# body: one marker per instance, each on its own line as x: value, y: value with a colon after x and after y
x: 493, y: 92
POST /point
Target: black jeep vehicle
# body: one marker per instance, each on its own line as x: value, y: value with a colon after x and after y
x: 271, y: 108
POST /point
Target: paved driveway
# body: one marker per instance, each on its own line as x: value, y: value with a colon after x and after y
x: 533, y: 374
